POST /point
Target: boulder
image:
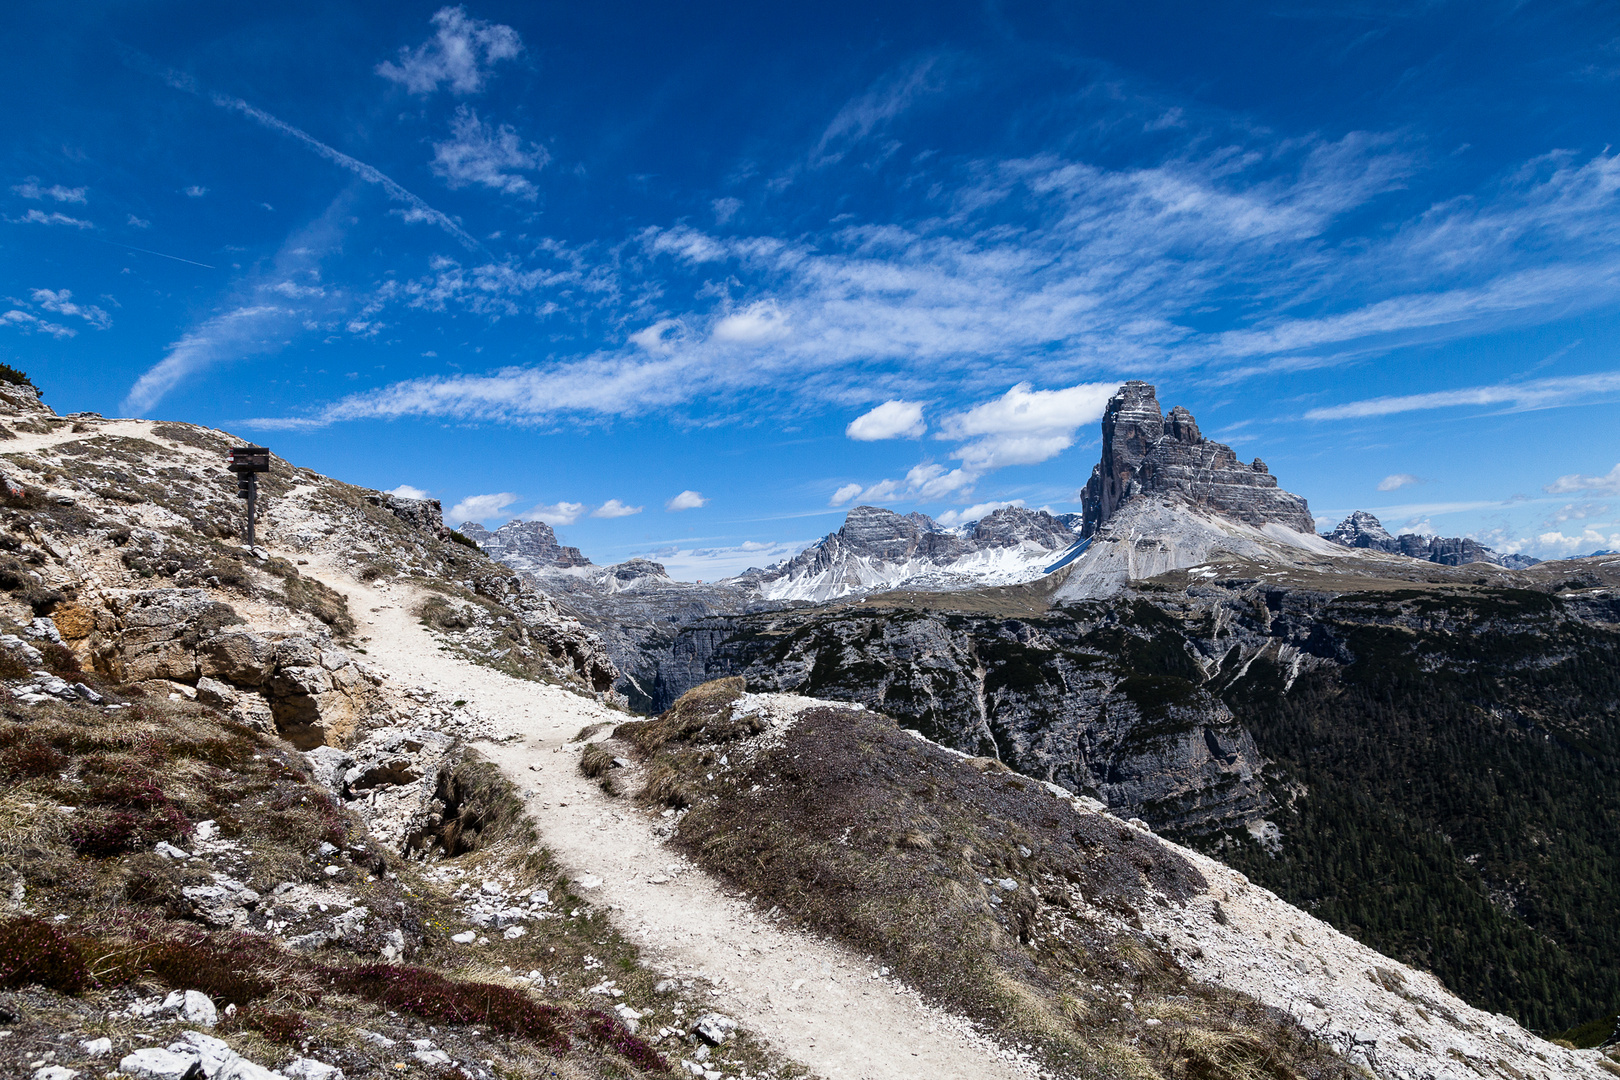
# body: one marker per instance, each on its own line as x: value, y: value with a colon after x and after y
x: 239, y: 658
x: 713, y: 1028
x: 213, y: 692
x: 328, y: 764
x: 155, y: 1063
x: 298, y: 652
x: 217, y: 1061
x: 74, y: 622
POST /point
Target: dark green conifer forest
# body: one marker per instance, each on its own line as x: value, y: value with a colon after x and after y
x: 1453, y: 800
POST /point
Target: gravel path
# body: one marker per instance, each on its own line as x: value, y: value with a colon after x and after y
x: 815, y: 1001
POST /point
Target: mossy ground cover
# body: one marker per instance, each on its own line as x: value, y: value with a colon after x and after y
x: 898, y: 848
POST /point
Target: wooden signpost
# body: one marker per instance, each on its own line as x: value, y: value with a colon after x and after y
x: 247, y: 462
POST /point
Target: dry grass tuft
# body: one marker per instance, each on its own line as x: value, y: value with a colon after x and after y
x: 665, y: 787
x: 701, y: 715
x: 595, y: 761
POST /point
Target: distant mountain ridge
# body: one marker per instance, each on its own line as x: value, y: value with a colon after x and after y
x: 880, y: 549
x: 1363, y: 530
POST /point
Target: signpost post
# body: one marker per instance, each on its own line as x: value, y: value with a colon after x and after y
x: 247, y: 462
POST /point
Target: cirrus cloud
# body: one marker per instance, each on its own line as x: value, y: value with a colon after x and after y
x: 495, y: 157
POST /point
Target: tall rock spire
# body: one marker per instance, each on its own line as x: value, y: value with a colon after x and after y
x: 1146, y: 452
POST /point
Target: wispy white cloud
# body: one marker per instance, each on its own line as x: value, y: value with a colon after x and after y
x: 872, y: 111
x: 686, y: 500
x: 28, y: 322
x: 1608, y: 484
x: 1024, y: 426
x: 559, y: 513
x: 30, y: 189
x: 55, y: 217
x: 495, y: 157
x: 459, y: 55
x: 61, y: 302
x: 613, y: 508
x: 196, y: 191
x: 1538, y: 394
x: 890, y: 420
x: 1104, y: 274
x: 138, y: 223
x: 484, y: 508
x: 261, y: 315
x: 1395, y: 481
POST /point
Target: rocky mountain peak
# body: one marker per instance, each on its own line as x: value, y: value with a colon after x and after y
x: 1145, y: 452
x: 1362, y: 530
x: 524, y: 545
x: 1014, y: 525
x: 883, y: 534
x: 637, y: 570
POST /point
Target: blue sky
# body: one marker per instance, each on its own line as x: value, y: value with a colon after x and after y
x: 689, y: 280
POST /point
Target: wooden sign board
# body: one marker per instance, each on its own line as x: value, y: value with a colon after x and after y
x: 249, y: 459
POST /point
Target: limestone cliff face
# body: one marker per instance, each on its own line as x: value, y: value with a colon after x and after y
x: 1146, y: 452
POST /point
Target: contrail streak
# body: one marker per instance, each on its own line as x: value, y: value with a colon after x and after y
x: 365, y: 172
x: 419, y: 209
x: 148, y: 251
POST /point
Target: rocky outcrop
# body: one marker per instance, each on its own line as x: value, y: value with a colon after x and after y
x: 1363, y: 530
x: 1146, y: 452
x: 424, y: 514
x: 524, y: 546
x: 301, y: 687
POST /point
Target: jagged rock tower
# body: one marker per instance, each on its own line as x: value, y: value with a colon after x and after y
x: 1145, y: 451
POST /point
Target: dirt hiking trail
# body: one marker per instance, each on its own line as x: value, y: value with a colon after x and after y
x: 817, y: 1002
